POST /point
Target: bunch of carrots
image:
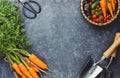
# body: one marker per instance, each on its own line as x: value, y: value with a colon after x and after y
x: 13, y: 42
x: 110, y: 4
x: 25, y: 65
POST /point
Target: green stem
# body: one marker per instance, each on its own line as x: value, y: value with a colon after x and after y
x: 22, y: 59
x: 9, y: 59
x: 14, y: 59
x: 16, y: 56
x: 23, y: 52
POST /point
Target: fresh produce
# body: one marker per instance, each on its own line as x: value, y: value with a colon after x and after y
x: 30, y: 65
x: 16, y: 68
x: 105, y: 20
x: 16, y: 75
x: 100, y: 11
x: 108, y: 17
x: 24, y: 70
x: 94, y: 5
x: 93, y: 0
x: 33, y: 58
x: 113, y: 3
x: 103, y: 5
x: 94, y: 16
x: 87, y: 9
x: 33, y: 73
x: 13, y: 43
x: 109, y: 5
x: 36, y: 68
x: 90, y: 3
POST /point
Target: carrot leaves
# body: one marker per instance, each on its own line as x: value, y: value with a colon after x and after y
x: 12, y: 33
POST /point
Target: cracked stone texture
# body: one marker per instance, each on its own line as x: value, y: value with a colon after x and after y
x: 64, y: 40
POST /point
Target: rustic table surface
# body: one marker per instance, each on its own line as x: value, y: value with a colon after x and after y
x: 64, y: 40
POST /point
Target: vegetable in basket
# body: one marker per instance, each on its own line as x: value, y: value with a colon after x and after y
x: 100, y: 11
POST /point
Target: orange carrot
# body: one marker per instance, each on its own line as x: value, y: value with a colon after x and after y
x: 24, y: 70
x: 35, y: 69
x: 38, y: 68
x: 33, y: 58
x: 103, y: 5
x: 26, y: 59
x: 32, y: 69
x: 110, y: 8
x: 31, y: 66
x: 113, y: 2
x: 33, y: 73
x: 24, y: 77
x: 15, y: 74
x: 16, y: 68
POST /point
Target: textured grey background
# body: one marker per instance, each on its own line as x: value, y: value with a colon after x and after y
x: 64, y: 40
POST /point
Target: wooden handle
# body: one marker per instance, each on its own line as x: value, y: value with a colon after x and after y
x: 118, y: 4
x: 114, y: 54
x: 112, y: 48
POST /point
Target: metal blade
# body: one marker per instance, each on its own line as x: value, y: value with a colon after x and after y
x: 94, y: 71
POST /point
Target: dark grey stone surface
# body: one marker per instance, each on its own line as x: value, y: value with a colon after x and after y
x: 64, y: 40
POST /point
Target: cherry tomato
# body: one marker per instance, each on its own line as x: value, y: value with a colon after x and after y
x: 94, y: 20
x: 105, y: 20
x: 94, y: 16
x: 108, y: 17
x: 101, y: 17
x: 97, y: 20
x: 90, y: 3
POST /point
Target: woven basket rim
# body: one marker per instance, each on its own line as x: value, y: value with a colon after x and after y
x: 100, y: 24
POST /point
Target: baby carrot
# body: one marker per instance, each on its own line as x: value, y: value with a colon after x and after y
x: 31, y: 66
x: 26, y: 59
x: 15, y: 74
x: 24, y: 70
x: 24, y: 77
x: 33, y: 58
x: 113, y: 4
x: 35, y: 67
x: 110, y: 8
x: 38, y: 68
x: 103, y: 7
x: 16, y: 68
x: 32, y: 69
x: 33, y: 73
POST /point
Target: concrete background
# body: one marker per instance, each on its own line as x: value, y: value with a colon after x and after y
x: 64, y: 40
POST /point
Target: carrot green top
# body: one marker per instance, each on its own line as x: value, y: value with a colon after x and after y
x: 12, y: 34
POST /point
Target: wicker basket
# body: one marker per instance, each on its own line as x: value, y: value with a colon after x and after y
x: 100, y: 24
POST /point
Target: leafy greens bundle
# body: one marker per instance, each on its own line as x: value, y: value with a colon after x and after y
x: 12, y: 34
x: 13, y: 41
